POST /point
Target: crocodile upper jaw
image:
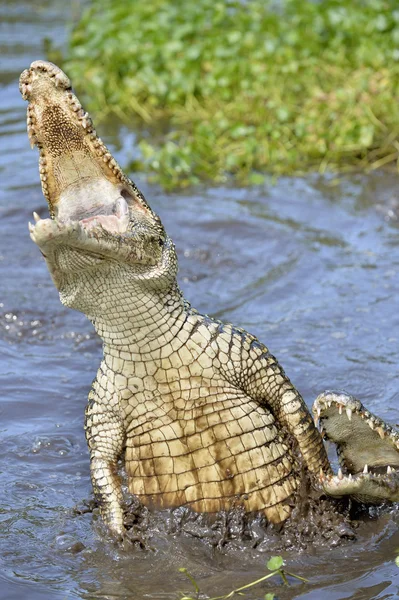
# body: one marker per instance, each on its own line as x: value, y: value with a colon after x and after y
x: 80, y: 178
x: 73, y: 159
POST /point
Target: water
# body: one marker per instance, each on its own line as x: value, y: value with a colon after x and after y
x: 310, y: 265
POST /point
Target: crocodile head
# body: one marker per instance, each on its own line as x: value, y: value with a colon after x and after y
x: 101, y: 228
x: 367, y: 449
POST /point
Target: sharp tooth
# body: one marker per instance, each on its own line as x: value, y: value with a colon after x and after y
x: 340, y: 474
x: 380, y: 432
x: 350, y: 476
x: 389, y: 470
x: 36, y: 217
x: 329, y: 403
x: 318, y: 411
x: 31, y: 227
x: 340, y: 409
x: 366, y: 469
x: 322, y: 476
x: 349, y: 413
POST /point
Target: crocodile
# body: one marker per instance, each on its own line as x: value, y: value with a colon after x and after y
x: 200, y: 411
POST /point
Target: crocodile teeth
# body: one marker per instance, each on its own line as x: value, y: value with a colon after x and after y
x: 36, y: 217
x: 86, y: 121
x: 27, y: 90
x: 62, y: 81
x: 366, y: 469
x: 380, y: 432
x: 340, y: 409
x: 32, y: 136
x: 340, y: 474
x: 349, y: 413
x: 389, y: 470
x: 31, y: 227
x: 350, y: 476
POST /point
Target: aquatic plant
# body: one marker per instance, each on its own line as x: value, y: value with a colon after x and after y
x: 275, y: 565
x: 245, y: 88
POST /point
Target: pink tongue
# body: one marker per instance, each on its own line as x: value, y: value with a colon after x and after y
x: 109, y: 222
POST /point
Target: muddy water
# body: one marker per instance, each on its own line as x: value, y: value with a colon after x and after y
x: 310, y: 266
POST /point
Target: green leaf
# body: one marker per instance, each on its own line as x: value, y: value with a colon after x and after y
x: 256, y: 179
x: 275, y: 563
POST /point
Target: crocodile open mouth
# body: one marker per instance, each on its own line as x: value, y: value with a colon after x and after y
x: 94, y: 203
x: 367, y: 448
x: 113, y: 217
x: 97, y: 214
x: 81, y: 180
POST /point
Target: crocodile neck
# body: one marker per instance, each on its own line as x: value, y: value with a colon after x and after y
x: 147, y: 322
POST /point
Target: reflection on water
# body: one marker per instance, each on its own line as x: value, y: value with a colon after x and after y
x: 310, y: 266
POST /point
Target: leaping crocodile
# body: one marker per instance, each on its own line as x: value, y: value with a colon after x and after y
x: 201, y: 411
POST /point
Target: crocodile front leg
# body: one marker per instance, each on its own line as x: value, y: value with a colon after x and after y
x: 105, y: 437
x: 263, y: 379
x: 271, y: 385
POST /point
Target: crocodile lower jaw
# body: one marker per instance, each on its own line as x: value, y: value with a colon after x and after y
x: 369, y: 488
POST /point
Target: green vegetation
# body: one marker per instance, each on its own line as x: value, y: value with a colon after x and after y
x: 245, y: 87
x: 275, y: 565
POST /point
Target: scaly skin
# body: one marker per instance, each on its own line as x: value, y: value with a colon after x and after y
x: 202, y: 413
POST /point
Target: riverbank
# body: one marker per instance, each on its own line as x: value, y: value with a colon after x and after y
x: 245, y: 89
